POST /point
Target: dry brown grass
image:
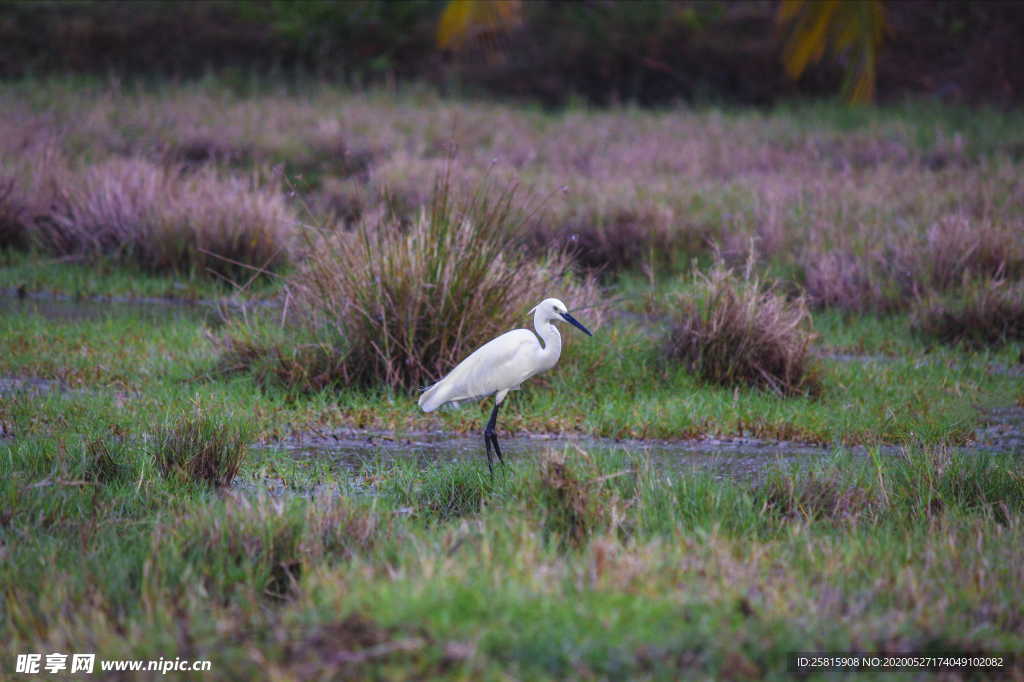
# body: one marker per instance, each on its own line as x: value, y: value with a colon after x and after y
x: 349, y: 648
x: 13, y: 217
x: 841, y: 279
x: 626, y: 238
x: 166, y: 219
x: 335, y: 527
x: 985, y: 312
x: 865, y: 217
x: 736, y: 331
x: 31, y: 168
x: 892, y: 273
x: 400, y: 305
x: 957, y: 247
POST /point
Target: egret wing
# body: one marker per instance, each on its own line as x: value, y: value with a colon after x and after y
x: 501, y: 363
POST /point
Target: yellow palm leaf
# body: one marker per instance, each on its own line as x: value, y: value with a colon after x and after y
x: 809, y: 43
x: 852, y: 27
x: 462, y: 20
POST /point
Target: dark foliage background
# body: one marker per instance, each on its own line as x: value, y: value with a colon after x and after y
x: 645, y: 51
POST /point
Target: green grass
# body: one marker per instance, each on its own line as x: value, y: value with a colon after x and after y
x: 200, y: 448
x: 913, y: 545
x: 42, y: 274
x: 620, y: 568
x: 601, y: 563
x: 616, y: 385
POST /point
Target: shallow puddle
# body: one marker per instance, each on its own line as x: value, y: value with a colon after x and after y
x: 356, y: 454
x: 351, y: 454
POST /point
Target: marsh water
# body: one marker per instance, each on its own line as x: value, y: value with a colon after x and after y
x: 358, y: 452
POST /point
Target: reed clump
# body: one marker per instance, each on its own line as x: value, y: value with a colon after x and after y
x: 394, y: 305
x: 736, y: 331
x: 166, y: 219
x: 985, y: 312
x: 201, y: 449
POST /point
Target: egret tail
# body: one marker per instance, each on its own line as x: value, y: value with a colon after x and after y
x: 434, y: 397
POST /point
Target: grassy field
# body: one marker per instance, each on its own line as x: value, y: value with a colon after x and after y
x: 850, y: 279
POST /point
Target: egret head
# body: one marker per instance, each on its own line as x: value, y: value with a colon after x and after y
x: 552, y: 309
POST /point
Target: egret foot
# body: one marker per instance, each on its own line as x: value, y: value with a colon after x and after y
x: 491, y: 438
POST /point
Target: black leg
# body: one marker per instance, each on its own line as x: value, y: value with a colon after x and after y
x: 491, y: 438
x: 490, y: 457
x: 494, y: 440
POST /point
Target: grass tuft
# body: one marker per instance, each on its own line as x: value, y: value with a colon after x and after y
x: 576, y: 500
x: 443, y: 491
x: 987, y: 312
x: 13, y: 228
x: 31, y: 168
x: 957, y: 248
x: 168, y: 220
x: 817, y: 496
x: 201, y: 449
x: 239, y: 544
x: 453, y: 492
x: 107, y: 460
x: 400, y: 306
x: 735, y: 331
x: 841, y: 279
x: 336, y: 527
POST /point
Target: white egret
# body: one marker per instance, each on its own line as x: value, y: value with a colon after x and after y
x: 502, y: 364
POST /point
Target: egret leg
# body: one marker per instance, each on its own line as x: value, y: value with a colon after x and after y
x: 491, y: 438
x: 490, y: 457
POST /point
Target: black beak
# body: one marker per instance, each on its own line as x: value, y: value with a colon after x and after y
x: 574, y: 322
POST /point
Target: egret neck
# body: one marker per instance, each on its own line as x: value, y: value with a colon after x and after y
x: 550, y: 339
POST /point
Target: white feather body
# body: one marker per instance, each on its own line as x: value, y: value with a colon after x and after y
x: 498, y: 366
